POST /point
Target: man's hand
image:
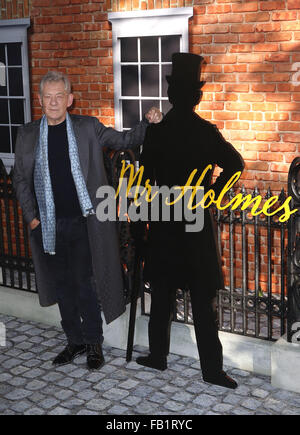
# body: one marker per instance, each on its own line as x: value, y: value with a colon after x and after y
x: 154, y: 115
x: 34, y: 223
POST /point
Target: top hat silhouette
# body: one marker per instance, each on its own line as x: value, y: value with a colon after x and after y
x: 186, y: 69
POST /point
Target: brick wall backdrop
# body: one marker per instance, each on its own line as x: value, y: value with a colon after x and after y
x: 251, y: 49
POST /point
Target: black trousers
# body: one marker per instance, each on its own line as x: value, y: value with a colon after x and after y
x: 77, y: 300
x: 205, y: 324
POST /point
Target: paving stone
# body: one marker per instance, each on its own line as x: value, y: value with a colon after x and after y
x: 81, y: 386
x: 118, y: 410
x: 242, y: 411
x: 35, y: 411
x: 258, y: 392
x: 143, y: 391
x: 23, y: 346
x: 205, y: 400
x: 118, y: 361
x: 105, y: 385
x: 60, y: 411
x: 37, y: 397
x: 17, y: 381
x: 157, y: 383
x: 195, y: 388
x: 32, y: 363
x: 19, y: 370
x: 34, y: 373
x: 182, y: 396
x: 65, y: 382
x: 129, y: 384
x: 73, y: 403
x: 173, y: 406
x: 14, y: 351
x: 189, y: 373
x: 79, y: 373
x: 48, y: 403
x: 180, y: 382
x: 131, y: 400
x: 115, y: 394
x: 159, y: 397
x: 95, y: 377
x: 18, y: 394
x: 222, y: 408
x: 36, y: 339
x: 233, y: 399
x: 274, y: 404
x: 11, y: 363
x: 146, y: 407
x: 36, y: 385
x: 192, y: 411
x: 144, y: 376
x: 63, y: 394
x: 98, y: 404
x: 290, y: 411
x: 87, y: 412
x: 26, y: 356
x: 238, y: 372
x: 169, y: 389
x: 87, y: 395
x: 5, y: 389
x: 251, y: 403
x: 21, y: 406
x: 52, y: 377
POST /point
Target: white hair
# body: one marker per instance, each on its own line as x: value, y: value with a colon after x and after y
x: 55, y: 76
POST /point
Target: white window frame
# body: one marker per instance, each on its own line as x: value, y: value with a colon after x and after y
x: 12, y: 31
x: 154, y: 22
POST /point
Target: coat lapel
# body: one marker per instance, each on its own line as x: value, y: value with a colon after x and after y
x: 83, y: 148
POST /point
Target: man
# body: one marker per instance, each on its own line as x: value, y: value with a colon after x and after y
x: 58, y: 169
x: 175, y: 258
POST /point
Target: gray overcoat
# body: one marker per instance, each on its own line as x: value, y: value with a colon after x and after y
x: 91, y: 136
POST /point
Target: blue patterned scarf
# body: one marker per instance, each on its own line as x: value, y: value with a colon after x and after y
x: 43, y: 187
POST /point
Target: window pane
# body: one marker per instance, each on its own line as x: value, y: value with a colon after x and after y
x: 129, y: 50
x: 3, y: 81
x: 130, y: 111
x: 2, y: 53
x: 147, y: 104
x: 169, y: 45
x: 149, y: 49
x: 17, y: 111
x: 4, y: 142
x: 14, y: 132
x: 166, y: 106
x: 129, y: 80
x: 166, y: 70
x: 15, y: 81
x: 150, y: 80
x: 3, y: 112
x: 14, y: 54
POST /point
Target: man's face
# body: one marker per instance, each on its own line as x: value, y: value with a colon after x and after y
x: 55, y: 100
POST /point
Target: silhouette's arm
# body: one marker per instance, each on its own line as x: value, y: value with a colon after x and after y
x: 227, y: 158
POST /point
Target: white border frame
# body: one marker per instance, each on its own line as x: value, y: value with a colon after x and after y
x: 153, y: 22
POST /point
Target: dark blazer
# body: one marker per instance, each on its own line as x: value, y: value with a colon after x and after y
x: 171, y: 151
x: 91, y: 136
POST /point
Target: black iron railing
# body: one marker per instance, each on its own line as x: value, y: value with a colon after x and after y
x: 254, y: 253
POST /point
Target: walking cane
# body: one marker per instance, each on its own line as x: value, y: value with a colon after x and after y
x: 137, y: 280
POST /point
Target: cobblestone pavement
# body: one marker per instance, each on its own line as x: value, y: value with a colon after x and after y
x: 29, y: 384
